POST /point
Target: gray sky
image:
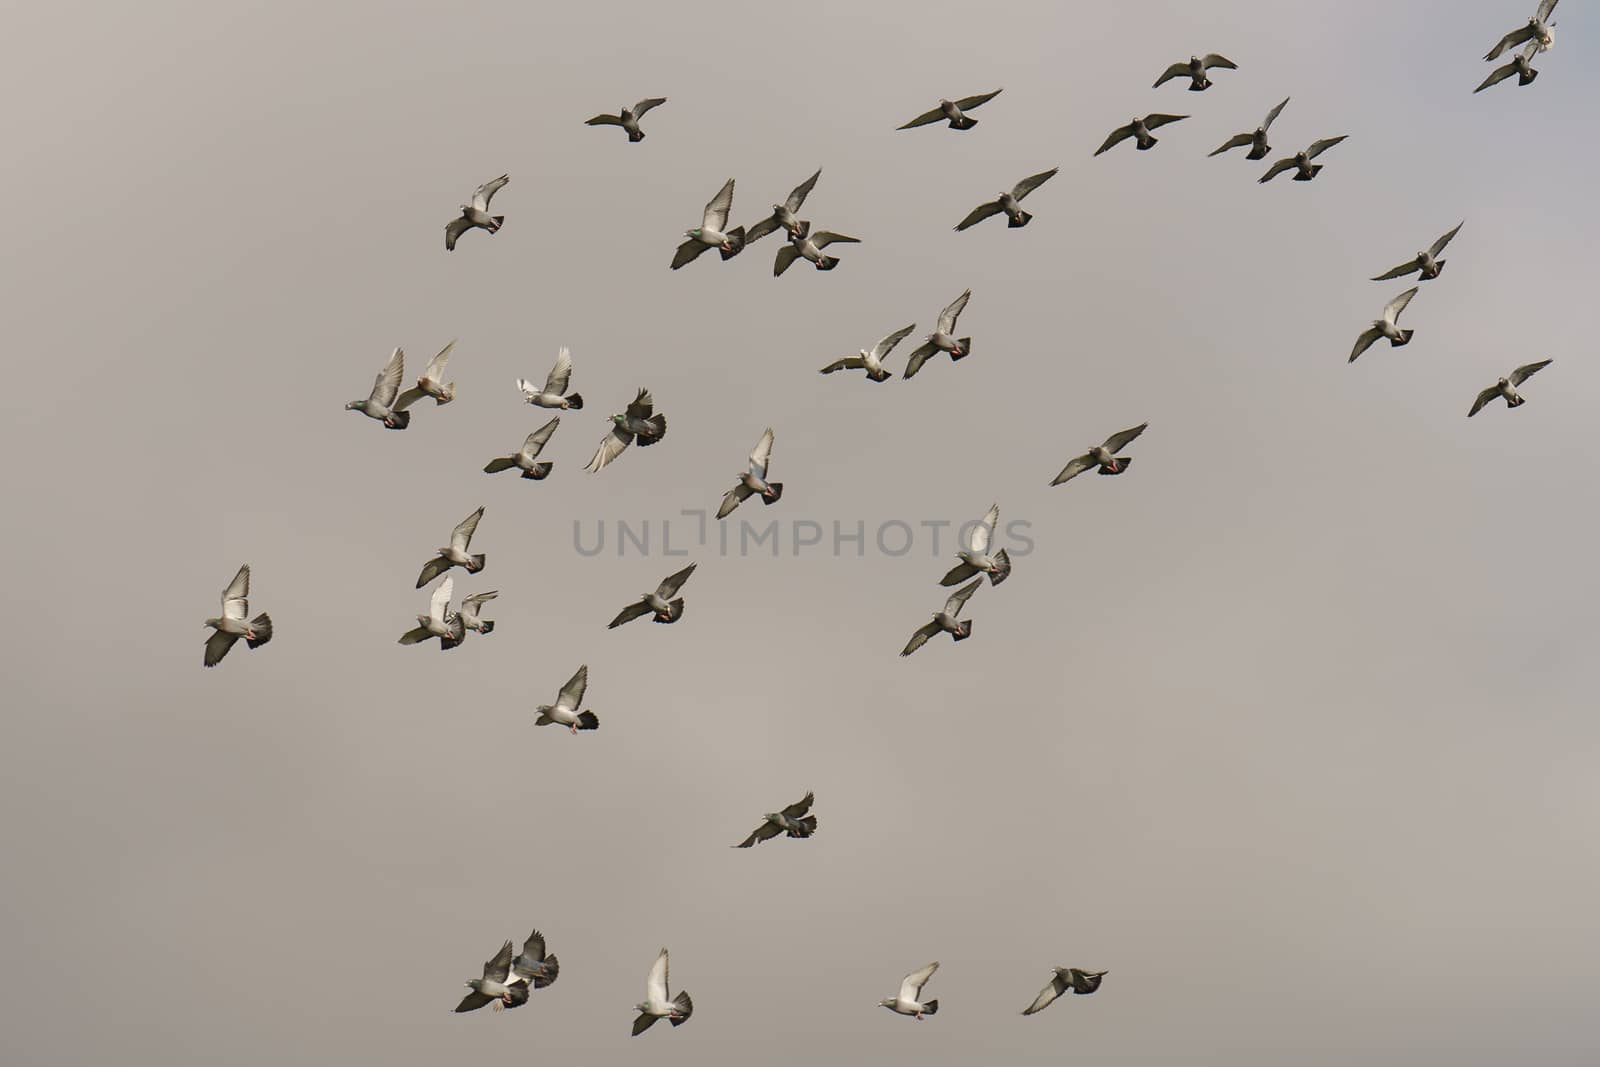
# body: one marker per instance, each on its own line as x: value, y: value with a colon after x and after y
x: 1286, y: 729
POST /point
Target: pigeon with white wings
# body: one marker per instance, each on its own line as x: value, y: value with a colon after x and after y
x: 476, y: 214
x: 1426, y: 263
x: 710, y: 233
x: 554, y: 386
x: 753, y: 481
x: 471, y: 607
x: 946, y: 620
x: 639, y: 423
x: 234, y: 622
x: 455, y: 554
x: 1103, y: 456
x: 664, y: 602
x: 526, y: 459
x: 657, y: 1004
x: 432, y: 382
x: 871, y: 359
x: 628, y: 117
x: 975, y: 558
x: 1009, y: 204
x: 942, y: 338
x: 384, y: 403
x: 564, y: 712
x: 1386, y: 326
x: 1507, y: 387
x: 439, y: 622
x: 906, y: 1002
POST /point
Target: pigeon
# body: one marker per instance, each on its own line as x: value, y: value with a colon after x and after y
x: 656, y: 1005
x: 526, y: 458
x: 871, y: 360
x: 1538, y: 30
x: 784, y: 215
x: 661, y: 601
x: 564, y: 712
x: 946, y: 620
x: 554, y: 385
x: 455, y: 555
x: 638, y: 423
x: 1140, y: 129
x: 906, y: 1003
x: 1521, y: 65
x: 709, y: 234
x: 954, y: 110
x: 1256, y: 140
x: 384, y: 402
x: 1066, y: 979
x: 629, y: 117
x: 791, y: 822
x: 810, y: 245
x: 975, y: 558
x: 231, y: 624
x: 470, y: 606
x: 533, y: 965
x: 1424, y: 263
x: 940, y: 340
x: 496, y: 986
x: 431, y: 383
x: 1301, y: 161
x: 754, y: 480
x: 1103, y: 456
x: 1009, y: 203
x: 1506, y: 387
x: 476, y: 214
x: 439, y: 622
x: 1385, y: 327
x: 1195, y: 71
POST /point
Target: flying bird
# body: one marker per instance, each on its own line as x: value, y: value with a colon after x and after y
x: 809, y: 245
x: 231, y: 624
x: 871, y: 360
x: 431, y: 383
x: 975, y: 558
x: 753, y: 481
x: 1140, y: 129
x: 656, y: 1003
x: 476, y: 214
x: 1103, y: 456
x: 1424, y: 263
x: 1521, y: 65
x: 662, y: 602
x: 1009, y: 204
x: 638, y: 423
x: 954, y: 110
x: 1195, y: 71
x: 784, y: 215
x: 628, y: 117
x: 526, y: 458
x: 533, y: 965
x: 471, y: 606
x: 906, y: 1003
x: 946, y: 620
x: 439, y: 622
x: 709, y: 234
x: 554, y: 385
x: 1507, y: 387
x: 385, y: 403
x: 455, y: 554
x: 1257, y: 140
x: 1538, y: 30
x: 496, y: 986
x: 1066, y: 979
x: 791, y: 822
x: 564, y: 712
x: 942, y: 339
x: 1301, y: 163
x: 1386, y: 326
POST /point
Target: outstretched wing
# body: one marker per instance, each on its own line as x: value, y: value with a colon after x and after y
x: 761, y: 456
x: 1212, y: 59
x: 1438, y: 246
x: 604, y: 120
x: 647, y: 104
x: 784, y: 259
x: 1483, y: 398
x: 716, y: 215
x: 387, y: 385
x: 452, y: 233
x: 1276, y: 169
x: 966, y: 103
x: 1546, y: 9
x: 1319, y: 147
x: 611, y: 446
x: 1272, y: 116
x: 1118, y: 135
x: 920, y: 638
x: 670, y: 585
x: 435, y: 369
x: 985, y: 530
x: 538, y: 438
x: 642, y: 406
x: 1392, y: 310
x: 629, y: 613
x: 883, y: 347
x: 919, y: 356
x: 1177, y: 70
x: 1397, y: 272
x: 1498, y: 75
x: 1528, y: 370
x: 828, y: 237
x: 236, y: 598
x: 473, y: 1001
x: 439, y: 602
x: 1076, y: 466
x: 1123, y: 438
x: 560, y: 374
x: 1032, y: 182
x: 1153, y: 121
x: 1238, y: 140
x: 801, y: 191
x: 499, y: 967
x: 461, y: 536
x: 952, y: 607
x: 687, y: 253
x: 799, y: 807
x: 1364, y: 342
x: 923, y: 119
x: 765, y: 832
x: 948, y: 317
x: 1510, y: 40
x: 847, y: 363
x: 486, y: 191
x: 1047, y: 995
x: 761, y: 229
x: 911, y: 986
x: 978, y: 214
x: 217, y: 646
x: 571, y: 694
x: 655, y: 985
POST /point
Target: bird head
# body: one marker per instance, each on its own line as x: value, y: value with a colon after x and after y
x: 355, y: 405
x: 692, y: 233
x: 1194, y: 61
x: 886, y: 1003
x: 213, y: 623
x: 619, y: 419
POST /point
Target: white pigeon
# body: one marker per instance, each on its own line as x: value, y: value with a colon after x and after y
x: 432, y: 382
x: 946, y: 620
x: 564, y: 712
x: 1104, y: 456
x: 1537, y: 30
x: 906, y: 1002
x: 1507, y: 387
x: 526, y: 458
x: 439, y: 622
x: 476, y: 214
x: 385, y: 402
x: 657, y: 1004
x: 1386, y: 326
x: 975, y: 558
x: 455, y: 553
x: 753, y: 481
x: 231, y: 624
x: 471, y: 606
x: 554, y: 385
x: 871, y: 359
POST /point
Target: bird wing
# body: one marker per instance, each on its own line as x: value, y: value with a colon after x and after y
x: 985, y: 530
x: 647, y: 104
x: 1499, y: 74
x: 407, y: 398
x: 948, y: 317
x: 717, y: 209
x: 883, y: 347
x: 920, y: 637
x: 560, y: 374
x: 538, y: 438
x: 655, y: 985
x: 217, y: 646
x: 534, y: 948
x: 952, y: 607
x: 642, y: 406
x: 1123, y: 438
x: 471, y: 604
x: 453, y: 231
x: 801, y: 191
x: 847, y: 363
x: 784, y: 259
x: 1392, y: 310
x: 611, y: 446
x: 799, y: 807
x: 1076, y: 466
x: 761, y: 229
x: 1153, y: 121
x: 966, y: 103
x: 1272, y: 116
x: 919, y: 356
x: 1032, y: 182
x: 387, y: 385
x: 486, y: 191
x: 1528, y: 370
x: 604, y: 120
x: 436, y: 365
x: 1511, y: 40
x: 461, y: 536
x: 473, y: 1001
x: 761, y: 456
x: 1177, y: 70
x: 1319, y: 147
x: 439, y: 602
x: 1438, y: 246
x: 629, y: 613
x: 236, y: 598
x: 1276, y: 169
x: 765, y: 832
x: 499, y: 967
x: 672, y: 583
x: 688, y: 252
x: 1397, y: 272
x: 828, y: 237
x: 1364, y: 342
x: 911, y: 985
x: 923, y: 119
x: 978, y: 214
x: 1483, y: 398
x: 1121, y: 133
x: 571, y: 694
x: 1047, y: 995
x: 1212, y: 59
x: 1546, y: 9
x: 1238, y: 140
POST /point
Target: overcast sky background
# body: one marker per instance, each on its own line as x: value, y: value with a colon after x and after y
x: 1291, y: 728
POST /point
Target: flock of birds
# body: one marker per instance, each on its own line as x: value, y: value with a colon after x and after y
x: 508, y: 978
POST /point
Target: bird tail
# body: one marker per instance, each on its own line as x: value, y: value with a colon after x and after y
x: 401, y: 420
x: 262, y: 625
x: 1405, y: 339
x: 777, y: 493
x: 965, y: 122
x: 540, y: 471
x: 1517, y: 403
x: 588, y: 720
x: 498, y: 221
x: 477, y: 563
x: 675, y: 613
x: 1315, y: 168
x: 1438, y: 268
x: 808, y: 826
x: 735, y: 238
x: 685, y: 1007
x: 1122, y: 464
x: 486, y: 626
x: 964, y: 631
x: 828, y: 263
x: 1258, y: 153
x: 879, y: 375
x: 1021, y: 218
x: 1146, y: 143
x: 1524, y: 79
x: 931, y: 1008
x: 658, y: 428
x: 552, y: 969
x: 575, y: 402
x: 635, y: 136
x: 966, y: 349
x: 1003, y: 562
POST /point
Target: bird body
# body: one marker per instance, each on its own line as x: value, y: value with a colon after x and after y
x: 1301, y: 163
x: 710, y: 234
x: 1538, y: 30
x: 805, y: 244
x: 1139, y: 129
x: 455, y: 554
x: 664, y: 603
x: 431, y: 383
x: 753, y: 480
x: 526, y: 459
x: 945, y: 620
x: 1065, y: 979
x: 792, y: 821
x: 1009, y: 203
x: 1257, y: 140
x: 785, y: 215
x: 638, y: 423
x: 439, y: 622
x: 1521, y: 65
x: 497, y: 986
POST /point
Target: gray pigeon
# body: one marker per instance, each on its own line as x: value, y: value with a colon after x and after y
x: 564, y: 712
x: 431, y: 383
x: 1301, y: 163
x: 526, y: 458
x: 471, y: 606
x: 639, y: 423
x: 1521, y: 65
x: 954, y: 110
x: 975, y: 558
x: 942, y: 339
x: 385, y: 403
x: 1139, y: 129
x: 1386, y: 326
x: 871, y: 360
x: 476, y: 214
x: 1103, y: 456
x: 629, y: 117
x: 657, y: 1004
x: 946, y: 620
x: 1195, y: 71
x: 784, y: 215
x: 1009, y: 204
x: 1507, y: 387
x: 1066, y: 979
x: 791, y: 822
x: 753, y: 481
x: 905, y: 1002
x: 554, y: 385
x: 455, y: 554
x: 662, y: 602
x: 1257, y: 139
x: 1425, y: 263
x: 1538, y: 30
x: 496, y: 986
x: 439, y: 622
x: 231, y: 624
x: 533, y: 965
x: 810, y: 245
x: 709, y: 234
